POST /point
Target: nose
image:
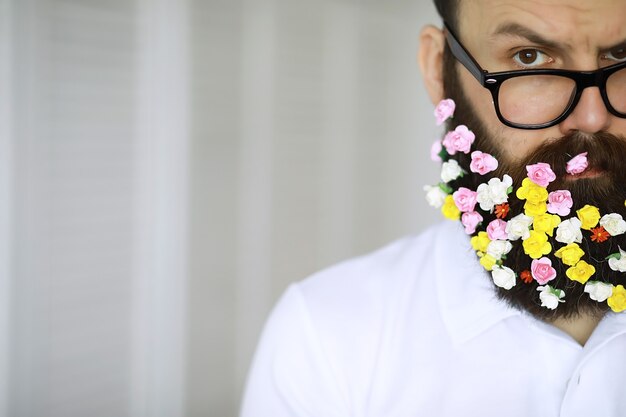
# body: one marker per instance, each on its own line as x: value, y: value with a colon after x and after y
x: 589, y: 116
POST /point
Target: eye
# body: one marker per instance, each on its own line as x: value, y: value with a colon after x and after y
x: 527, y: 58
x: 617, y: 54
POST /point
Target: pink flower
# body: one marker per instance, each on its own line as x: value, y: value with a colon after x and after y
x: 444, y: 110
x: 542, y: 271
x: 483, y: 163
x: 459, y: 140
x: 577, y: 164
x: 540, y: 173
x: 465, y: 199
x: 560, y: 202
x: 470, y: 221
x: 434, y: 151
x: 496, y: 230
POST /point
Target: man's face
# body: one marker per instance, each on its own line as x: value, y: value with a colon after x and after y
x: 509, y: 35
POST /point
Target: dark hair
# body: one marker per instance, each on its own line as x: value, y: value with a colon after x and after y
x: 447, y: 9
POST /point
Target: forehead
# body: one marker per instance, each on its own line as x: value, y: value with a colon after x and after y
x: 580, y: 23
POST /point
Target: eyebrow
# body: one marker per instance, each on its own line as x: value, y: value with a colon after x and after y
x: 520, y: 31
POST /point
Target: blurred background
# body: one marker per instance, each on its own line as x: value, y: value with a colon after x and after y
x: 167, y: 167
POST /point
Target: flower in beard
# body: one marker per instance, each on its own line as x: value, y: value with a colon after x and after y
x: 550, y: 297
x: 536, y: 245
x: 617, y: 300
x: 598, y: 290
x: 580, y: 272
x: 589, y: 216
x: 480, y: 242
x: 617, y: 261
x: 577, y: 164
x: 519, y: 227
x: 435, y: 150
x: 449, y: 209
x: 542, y: 270
x: 470, y: 220
x: 499, y: 248
x: 465, y: 199
x: 444, y: 110
x: 568, y: 231
x: 546, y: 223
x: 494, y: 192
x: 483, y: 163
x: 560, y: 202
x: 541, y: 174
x: 613, y: 223
x: 435, y: 196
x: 570, y: 254
x: 459, y: 140
x: 451, y: 170
x: 503, y: 277
x: 496, y: 229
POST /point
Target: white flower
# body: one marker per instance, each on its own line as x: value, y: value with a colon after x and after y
x: 494, y: 192
x: 499, y: 248
x: 435, y: 196
x: 569, y: 231
x: 613, y: 223
x: 550, y: 297
x: 450, y: 170
x: 598, y: 291
x: 503, y: 277
x: 618, y: 264
x: 519, y: 226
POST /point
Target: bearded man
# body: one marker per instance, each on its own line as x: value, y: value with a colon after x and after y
x: 516, y: 308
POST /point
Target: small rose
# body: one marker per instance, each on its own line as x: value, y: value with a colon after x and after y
x: 450, y: 170
x: 570, y: 254
x: 541, y: 174
x: 435, y: 196
x: 496, y: 229
x: 546, y: 223
x: 503, y: 277
x: 550, y: 297
x: 494, y: 192
x: 465, y: 199
x: 488, y: 262
x: 519, y: 227
x: 542, y: 270
x: 613, y: 223
x: 470, y: 220
x: 598, y: 291
x: 560, y: 202
x: 499, y: 248
x: 480, y: 242
x: 617, y: 261
x: 483, y: 163
x: 589, y: 216
x: 569, y: 231
x: 577, y: 164
x: 459, y: 140
x: 449, y: 209
x: 580, y: 272
x: 444, y: 110
x: 435, y: 149
x: 536, y: 245
x: 617, y: 300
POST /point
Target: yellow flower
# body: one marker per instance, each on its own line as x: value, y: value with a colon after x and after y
x: 617, y: 300
x: 570, y: 254
x: 537, y: 245
x: 480, y: 242
x: 488, y: 262
x: 589, y: 216
x: 580, y: 272
x: 449, y: 209
x: 535, y: 209
x: 532, y: 192
x: 546, y: 223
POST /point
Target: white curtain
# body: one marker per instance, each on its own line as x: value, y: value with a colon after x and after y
x: 167, y: 167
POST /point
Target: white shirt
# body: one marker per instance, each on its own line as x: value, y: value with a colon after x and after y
x: 414, y: 329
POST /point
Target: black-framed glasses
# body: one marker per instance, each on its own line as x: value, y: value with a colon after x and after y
x: 540, y: 98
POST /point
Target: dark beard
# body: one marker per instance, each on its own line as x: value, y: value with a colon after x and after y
x: 606, y: 153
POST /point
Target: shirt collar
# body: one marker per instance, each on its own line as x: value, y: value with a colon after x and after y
x: 467, y: 298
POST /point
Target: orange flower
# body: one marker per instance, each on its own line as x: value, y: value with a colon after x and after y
x: 502, y: 210
x: 526, y: 276
x: 599, y: 234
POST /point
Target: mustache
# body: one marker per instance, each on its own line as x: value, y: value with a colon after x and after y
x: 605, y: 152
